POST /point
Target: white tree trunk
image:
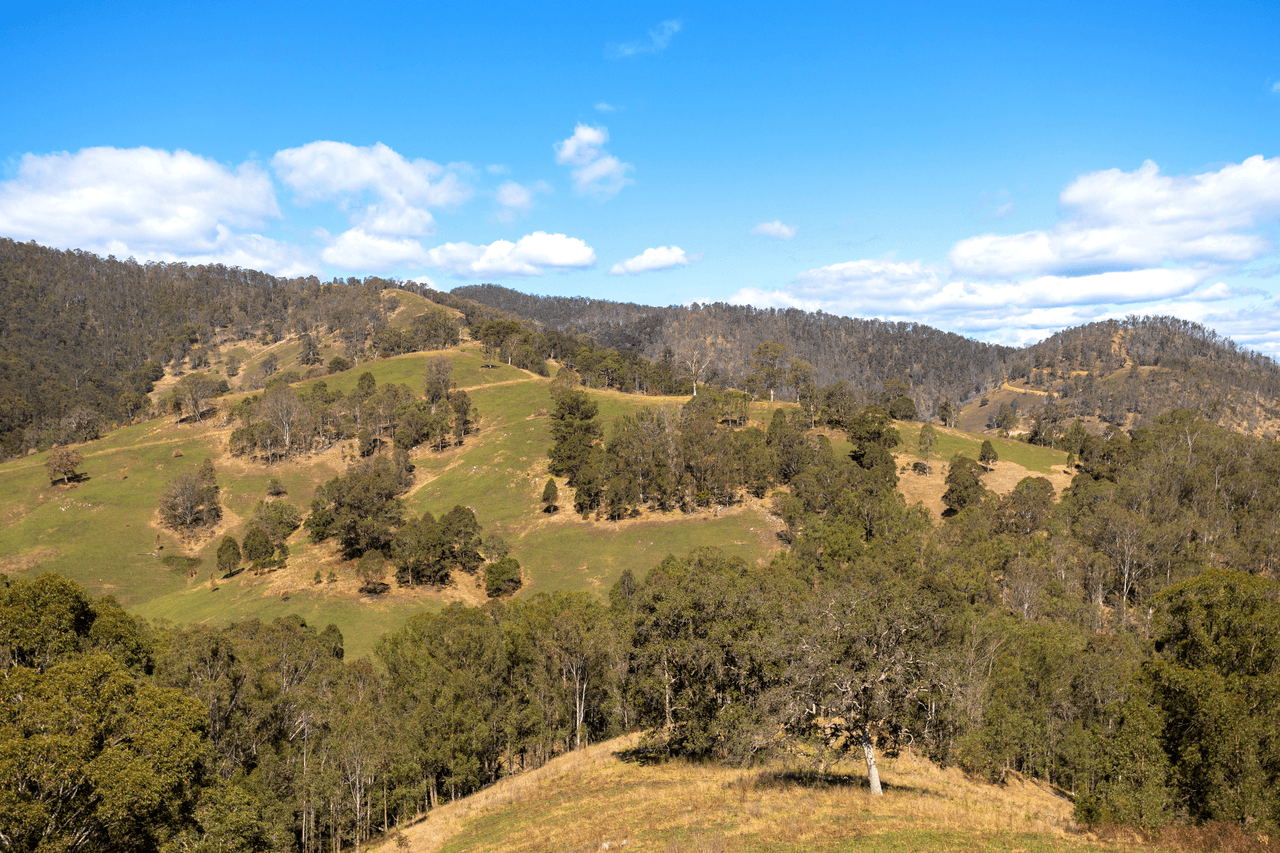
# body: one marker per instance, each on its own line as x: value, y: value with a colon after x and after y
x: 873, y: 774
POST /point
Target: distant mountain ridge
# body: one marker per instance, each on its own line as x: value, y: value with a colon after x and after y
x: 1080, y: 371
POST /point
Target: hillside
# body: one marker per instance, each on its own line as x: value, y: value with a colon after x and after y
x: 603, y: 798
x: 103, y: 531
x: 1120, y: 372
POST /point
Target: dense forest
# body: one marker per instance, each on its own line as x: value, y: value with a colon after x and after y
x: 1120, y: 641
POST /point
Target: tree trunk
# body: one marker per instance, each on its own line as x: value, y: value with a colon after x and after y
x: 873, y: 774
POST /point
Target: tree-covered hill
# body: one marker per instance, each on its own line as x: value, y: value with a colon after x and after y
x: 1115, y: 371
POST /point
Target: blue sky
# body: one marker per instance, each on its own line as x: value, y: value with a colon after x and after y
x: 1001, y: 171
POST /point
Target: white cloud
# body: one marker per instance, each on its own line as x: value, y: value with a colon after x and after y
x: 776, y: 229
x: 384, y: 193
x: 425, y: 281
x: 1276, y: 87
x: 357, y: 249
x: 516, y: 199
x: 659, y: 37
x: 597, y: 171
x: 605, y: 108
x: 531, y: 255
x: 652, y: 260
x: 149, y: 204
x: 1127, y: 220
x: 1004, y: 210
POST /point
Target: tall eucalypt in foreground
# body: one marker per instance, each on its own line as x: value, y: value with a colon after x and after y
x: 856, y: 658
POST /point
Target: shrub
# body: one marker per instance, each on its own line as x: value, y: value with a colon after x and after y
x: 503, y: 577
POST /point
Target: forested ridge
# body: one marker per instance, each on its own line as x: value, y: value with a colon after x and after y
x: 84, y: 338
x: 1173, y: 363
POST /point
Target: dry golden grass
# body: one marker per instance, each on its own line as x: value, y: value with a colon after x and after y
x: 593, y: 800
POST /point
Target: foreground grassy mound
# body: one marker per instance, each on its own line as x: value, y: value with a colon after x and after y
x: 597, y: 797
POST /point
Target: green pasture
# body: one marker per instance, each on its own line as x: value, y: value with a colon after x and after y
x: 100, y: 530
x: 1042, y: 460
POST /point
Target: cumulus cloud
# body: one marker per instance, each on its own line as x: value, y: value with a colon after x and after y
x: 516, y: 199
x: 357, y: 249
x: 652, y: 260
x: 776, y: 229
x: 1116, y: 220
x: 531, y: 255
x: 658, y: 39
x: 596, y: 171
x: 150, y: 204
x: 384, y: 193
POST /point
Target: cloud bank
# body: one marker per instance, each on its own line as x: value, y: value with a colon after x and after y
x: 531, y: 255
x: 1125, y: 241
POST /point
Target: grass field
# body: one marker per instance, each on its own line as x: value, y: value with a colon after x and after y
x: 592, y: 798
x: 103, y: 531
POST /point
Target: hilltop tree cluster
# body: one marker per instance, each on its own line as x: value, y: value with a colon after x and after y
x: 284, y: 421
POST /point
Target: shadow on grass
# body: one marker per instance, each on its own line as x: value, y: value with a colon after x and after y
x: 644, y: 754
x: 818, y: 780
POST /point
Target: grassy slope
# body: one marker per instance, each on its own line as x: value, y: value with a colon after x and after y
x: 584, y: 800
x: 103, y: 533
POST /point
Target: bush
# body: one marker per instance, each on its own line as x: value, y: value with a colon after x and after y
x: 503, y: 577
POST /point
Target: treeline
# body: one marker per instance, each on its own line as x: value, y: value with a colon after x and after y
x: 1122, y: 644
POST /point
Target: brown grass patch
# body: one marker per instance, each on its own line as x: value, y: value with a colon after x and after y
x: 592, y: 798
x: 1001, y: 479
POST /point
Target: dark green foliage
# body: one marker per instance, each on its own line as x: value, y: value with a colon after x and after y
x: 257, y: 545
x: 1216, y: 680
x: 337, y: 364
x: 573, y: 431
x: 696, y: 625
x: 987, y: 455
x: 903, y: 409
x: 461, y: 531
x: 420, y: 553
x: 502, y: 578
x: 278, y: 518
x: 228, y: 555
x: 873, y: 435
x: 49, y: 619
x: 361, y: 508
x: 550, y: 494
x: 964, y: 488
